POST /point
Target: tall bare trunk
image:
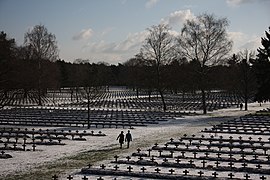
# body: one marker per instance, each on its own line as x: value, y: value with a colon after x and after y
x: 149, y: 95
x: 163, y: 100
x: 203, y: 102
x: 39, y: 82
x: 88, y: 109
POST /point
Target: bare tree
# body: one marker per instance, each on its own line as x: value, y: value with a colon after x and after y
x: 205, y: 40
x: 135, y: 72
x: 42, y: 46
x: 158, y: 49
x: 246, y: 77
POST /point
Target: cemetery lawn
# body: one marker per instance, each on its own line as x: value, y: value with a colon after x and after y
x: 69, y: 159
x: 72, y: 164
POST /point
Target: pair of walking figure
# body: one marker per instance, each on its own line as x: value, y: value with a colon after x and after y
x: 122, y: 138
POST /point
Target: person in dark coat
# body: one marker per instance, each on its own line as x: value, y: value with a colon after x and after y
x: 241, y: 106
x: 128, y: 138
x: 121, y: 138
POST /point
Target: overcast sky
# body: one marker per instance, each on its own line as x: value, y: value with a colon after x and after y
x: 113, y: 30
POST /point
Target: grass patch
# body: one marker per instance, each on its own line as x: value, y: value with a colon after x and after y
x: 63, y: 165
x: 263, y: 113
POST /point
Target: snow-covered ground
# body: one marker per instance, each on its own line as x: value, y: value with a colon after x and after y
x: 142, y: 137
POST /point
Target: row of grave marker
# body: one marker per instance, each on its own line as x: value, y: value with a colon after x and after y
x: 259, y: 167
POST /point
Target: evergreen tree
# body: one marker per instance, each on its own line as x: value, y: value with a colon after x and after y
x: 8, y: 83
x: 262, y: 69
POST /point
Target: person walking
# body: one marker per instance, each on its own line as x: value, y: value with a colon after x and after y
x: 128, y: 138
x: 241, y: 106
x: 121, y: 138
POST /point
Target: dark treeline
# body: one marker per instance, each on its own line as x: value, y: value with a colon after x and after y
x: 30, y: 69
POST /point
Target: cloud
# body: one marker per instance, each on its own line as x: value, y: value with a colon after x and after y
x: 100, y: 46
x: 252, y: 44
x: 123, y: 1
x: 107, y: 31
x: 236, y: 36
x: 151, y: 3
x: 178, y: 17
x: 132, y: 43
x: 234, y: 3
x: 116, y: 51
x: 83, y: 35
x: 129, y: 46
x: 174, y: 33
x: 244, y: 41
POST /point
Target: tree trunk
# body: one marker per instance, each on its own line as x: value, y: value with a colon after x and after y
x: 25, y: 92
x: 149, y: 95
x: 5, y: 94
x: 246, y: 105
x: 246, y: 100
x: 77, y: 98
x: 39, y: 82
x: 88, y: 110
x: 39, y: 97
x: 246, y: 92
x: 203, y: 102
x: 71, y: 95
x: 183, y: 96
x: 53, y: 96
x: 163, y: 100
